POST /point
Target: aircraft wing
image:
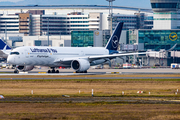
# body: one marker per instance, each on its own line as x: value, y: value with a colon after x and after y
x: 66, y: 61
x: 92, y: 58
x: 172, y: 48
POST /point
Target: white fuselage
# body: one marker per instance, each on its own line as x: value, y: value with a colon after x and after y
x: 46, y: 56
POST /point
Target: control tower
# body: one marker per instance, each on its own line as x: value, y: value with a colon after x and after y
x: 166, y: 14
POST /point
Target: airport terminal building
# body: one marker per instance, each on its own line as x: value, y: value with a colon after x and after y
x: 61, y: 20
x: 165, y: 32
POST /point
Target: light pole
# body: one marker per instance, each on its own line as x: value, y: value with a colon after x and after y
x: 48, y: 30
x: 110, y: 14
x: 60, y: 35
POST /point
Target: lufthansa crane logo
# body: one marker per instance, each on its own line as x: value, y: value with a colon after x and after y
x: 96, y: 33
x: 115, y: 41
x: 173, y: 36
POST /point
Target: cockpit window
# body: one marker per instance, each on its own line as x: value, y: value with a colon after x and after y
x: 14, y: 53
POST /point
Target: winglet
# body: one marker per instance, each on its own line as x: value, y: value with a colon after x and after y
x: 172, y: 48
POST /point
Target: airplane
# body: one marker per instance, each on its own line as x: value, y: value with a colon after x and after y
x: 4, y: 49
x: 78, y: 58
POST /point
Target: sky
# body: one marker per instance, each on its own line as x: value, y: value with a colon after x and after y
x: 126, y: 3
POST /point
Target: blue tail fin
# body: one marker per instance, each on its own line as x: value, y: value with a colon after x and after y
x: 2, y: 45
x: 115, y: 37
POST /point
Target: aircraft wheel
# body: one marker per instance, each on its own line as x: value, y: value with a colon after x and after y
x: 57, y: 71
x: 53, y: 71
x: 49, y: 71
x: 16, y: 71
x: 85, y: 71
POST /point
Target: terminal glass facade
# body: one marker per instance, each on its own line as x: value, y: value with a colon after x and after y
x: 130, y: 21
x: 159, y: 39
x: 82, y: 38
x: 164, y: 5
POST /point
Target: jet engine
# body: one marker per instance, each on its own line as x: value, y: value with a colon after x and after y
x: 80, y: 65
x: 25, y: 68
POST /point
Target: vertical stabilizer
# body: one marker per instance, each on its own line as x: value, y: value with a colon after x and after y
x: 115, y: 37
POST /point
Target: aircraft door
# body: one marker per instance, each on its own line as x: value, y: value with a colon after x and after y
x: 26, y: 54
x: 81, y: 53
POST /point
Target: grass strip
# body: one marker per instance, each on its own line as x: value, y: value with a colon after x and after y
x: 88, y: 95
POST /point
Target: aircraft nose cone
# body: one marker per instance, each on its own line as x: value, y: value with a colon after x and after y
x: 9, y: 60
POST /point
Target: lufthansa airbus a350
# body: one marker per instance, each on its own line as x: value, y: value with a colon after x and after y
x: 78, y: 58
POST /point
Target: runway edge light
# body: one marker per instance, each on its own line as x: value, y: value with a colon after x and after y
x: 92, y: 93
x: 32, y: 92
x: 1, y: 97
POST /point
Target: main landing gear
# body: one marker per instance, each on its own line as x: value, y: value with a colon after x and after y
x: 53, y: 71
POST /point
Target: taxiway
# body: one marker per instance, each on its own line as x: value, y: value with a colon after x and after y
x: 105, y: 72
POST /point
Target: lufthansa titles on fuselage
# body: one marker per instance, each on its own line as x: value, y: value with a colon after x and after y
x: 47, y: 50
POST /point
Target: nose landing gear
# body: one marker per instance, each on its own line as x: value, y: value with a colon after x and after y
x: 16, y: 71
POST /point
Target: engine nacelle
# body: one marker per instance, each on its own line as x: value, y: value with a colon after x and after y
x: 25, y: 68
x: 80, y: 65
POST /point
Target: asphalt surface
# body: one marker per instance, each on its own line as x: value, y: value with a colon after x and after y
x: 104, y: 71
x: 88, y: 78
x: 69, y: 72
x: 131, y: 100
